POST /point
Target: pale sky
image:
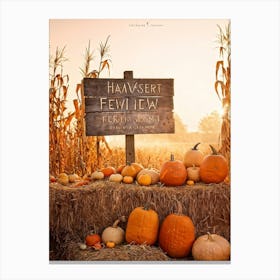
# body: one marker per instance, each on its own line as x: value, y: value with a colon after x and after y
x: 182, y: 49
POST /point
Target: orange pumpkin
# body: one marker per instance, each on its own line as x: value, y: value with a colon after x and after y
x: 92, y: 239
x: 142, y: 226
x: 177, y: 234
x: 129, y: 170
x: 120, y: 168
x: 214, y: 168
x: 152, y: 172
x: 108, y: 171
x: 144, y: 180
x: 173, y: 173
x: 137, y: 166
x: 128, y: 179
x: 193, y: 157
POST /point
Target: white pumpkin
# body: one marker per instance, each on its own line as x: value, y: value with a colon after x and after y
x: 117, y: 178
x: 113, y: 233
x: 211, y: 247
x: 193, y: 173
x: 97, y: 175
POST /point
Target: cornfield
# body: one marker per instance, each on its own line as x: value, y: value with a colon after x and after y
x: 70, y: 150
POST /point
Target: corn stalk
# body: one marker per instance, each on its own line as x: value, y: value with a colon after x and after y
x: 91, y: 151
x: 223, y: 87
x: 59, y: 121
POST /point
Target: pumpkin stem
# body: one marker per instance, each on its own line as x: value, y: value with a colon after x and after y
x: 122, y: 219
x: 210, y: 238
x: 195, y: 146
x: 115, y: 224
x: 214, y: 151
x: 171, y: 157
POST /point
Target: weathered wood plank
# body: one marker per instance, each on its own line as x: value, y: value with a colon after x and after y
x: 132, y: 87
x: 129, y: 103
x: 128, y: 106
x: 119, y: 123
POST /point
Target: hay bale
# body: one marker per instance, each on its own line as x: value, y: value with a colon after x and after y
x: 119, y: 253
x: 76, y: 211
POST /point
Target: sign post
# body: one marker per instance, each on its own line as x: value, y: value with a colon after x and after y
x: 129, y: 139
x: 127, y: 107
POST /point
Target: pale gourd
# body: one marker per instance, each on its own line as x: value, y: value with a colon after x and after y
x: 97, y: 175
x: 193, y: 173
x: 113, y: 233
x: 74, y: 177
x: 117, y: 178
x: 211, y: 247
x: 63, y: 179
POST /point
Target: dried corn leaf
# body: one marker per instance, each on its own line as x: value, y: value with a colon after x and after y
x: 222, y: 86
x: 69, y: 119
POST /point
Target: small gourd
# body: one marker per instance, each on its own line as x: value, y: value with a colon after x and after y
x: 144, y: 180
x: 74, y: 178
x: 193, y: 173
x: 97, y: 175
x: 110, y: 244
x: 190, y: 182
x: 63, y: 179
x: 128, y: 179
x: 117, y: 178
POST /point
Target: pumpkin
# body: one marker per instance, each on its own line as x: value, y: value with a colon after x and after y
x: 128, y: 179
x: 152, y: 172
x: 214, y: 168
x: 193, y: 157
x: 92, y: 239
x: 120, y: 168
x: 74, y: 178
x: 97, y: 175
x: 63, y: 179
x: 107, y: 171
x: 177, y: 234
x: 173, y: 173
x: 193, y: 173
x: 137, y: 166
x: 110, y: 244
x: 129, y: 170
x: 211, y: 247
x: 144, y: 180
x: 190, y: 182
x: 117, y: 178
x: 52, y: 179
x: 142, y: 226
x: 113, y: 233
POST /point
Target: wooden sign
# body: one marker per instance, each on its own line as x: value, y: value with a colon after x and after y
x: 128, y: 106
